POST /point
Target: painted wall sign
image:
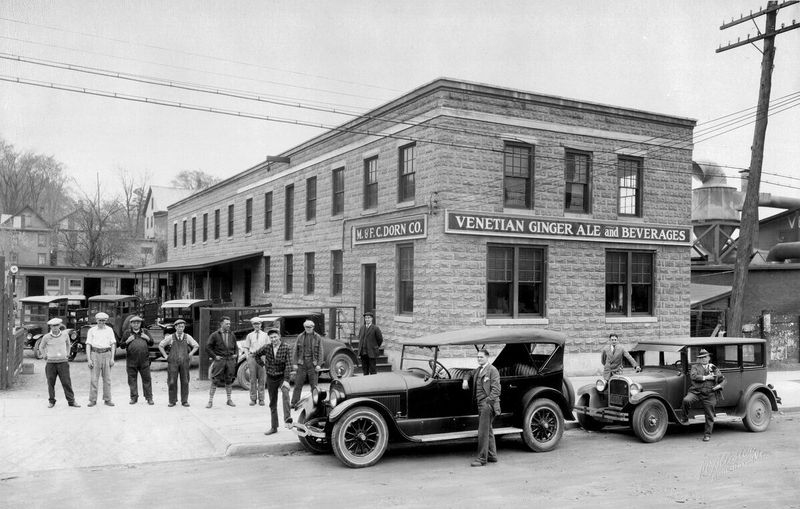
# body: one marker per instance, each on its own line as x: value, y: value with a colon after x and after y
x: 503, y: 225
x: 401, y: 229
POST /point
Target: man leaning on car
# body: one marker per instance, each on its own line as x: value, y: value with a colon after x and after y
x: 486, y: 389
x: 707, y: 381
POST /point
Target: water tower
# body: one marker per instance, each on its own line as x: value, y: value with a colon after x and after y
x: 715, y: 213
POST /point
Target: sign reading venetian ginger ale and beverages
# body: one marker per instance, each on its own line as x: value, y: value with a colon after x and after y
x: 478, y: 223
x: 401, y: 229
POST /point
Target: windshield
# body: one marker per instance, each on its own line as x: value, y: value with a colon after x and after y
x: 421, y: 357
x: 658, y: 359
x: 172, y: 314
x: 34, y: 313
x: 101, y: 306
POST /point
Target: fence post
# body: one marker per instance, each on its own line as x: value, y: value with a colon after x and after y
x: 5, y: 333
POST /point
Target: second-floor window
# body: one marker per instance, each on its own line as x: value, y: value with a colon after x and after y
x: 311, y: 198
x: 194, y: 230
x: 230, y: 220
x: 337, y: 273
x: 576, y: 180
x: 288, y: 261
x: 371, y: 183
x: 205, y: 227
x: 268, y: 210
x: 184, y: 232
x: 337, y: 207
x: 216, y: 224
x: 174, y: 234
x: 405, y: 184
x: 248, y: 215
x: 629, y: 179
x: 517, y: 177
x: 288, y: 230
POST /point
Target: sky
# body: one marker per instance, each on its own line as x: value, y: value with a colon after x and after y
x: 353, y: 55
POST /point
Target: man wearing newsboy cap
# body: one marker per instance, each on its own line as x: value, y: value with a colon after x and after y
x: 101, y: 345
x: 54, y: 347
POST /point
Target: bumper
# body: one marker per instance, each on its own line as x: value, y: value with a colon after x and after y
x: 606, y: 414
x: 309, y: 430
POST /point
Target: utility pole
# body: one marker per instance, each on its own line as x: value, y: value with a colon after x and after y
x: 748, y: 230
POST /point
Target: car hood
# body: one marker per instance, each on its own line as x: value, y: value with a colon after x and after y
x: 380, y: 383
x: 653, y: 380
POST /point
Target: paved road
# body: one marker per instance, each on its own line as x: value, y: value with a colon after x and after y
x: 610, y: 469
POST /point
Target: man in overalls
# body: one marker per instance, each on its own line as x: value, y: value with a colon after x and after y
x: 137, y: 360
x: 180, y: 344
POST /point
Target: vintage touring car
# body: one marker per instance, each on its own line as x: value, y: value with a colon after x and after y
x: 651, y: 400
x: 424, y: 401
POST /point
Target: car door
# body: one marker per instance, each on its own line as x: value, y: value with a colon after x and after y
x: 726, y: 359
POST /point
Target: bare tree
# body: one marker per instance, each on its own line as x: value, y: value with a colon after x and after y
x: 134, y: 188
x: 95, y: 234
x: 34, y: 180
x: 194, y: 179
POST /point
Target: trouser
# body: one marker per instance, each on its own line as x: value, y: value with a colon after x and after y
x: 305, y: 371
x: 486, y: 444
x: 178, y: 369
x: 223, y: 371
x: 258, y: 375
x: 60, y: 370
x: 134, y: 370
x: 101, y: 366
x: 368, y: 364
x: 273, y: 384
x: 709, y: 402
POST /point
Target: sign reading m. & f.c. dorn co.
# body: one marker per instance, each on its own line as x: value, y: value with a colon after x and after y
x: 506, y: 225
x: 400, y: 229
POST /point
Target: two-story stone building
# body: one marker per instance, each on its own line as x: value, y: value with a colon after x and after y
x: 459, y: 205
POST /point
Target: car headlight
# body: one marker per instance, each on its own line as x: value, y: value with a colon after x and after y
x: 30, y: 336
x: 73, y: 335
x: 634, y: 389
x: 334, y: 398
x: 600, y: 385
x: 315, y: 396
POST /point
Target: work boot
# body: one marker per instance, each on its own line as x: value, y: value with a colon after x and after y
x: 108, y: 403
x: 75, y: 405
x: 92, y: 403
x: 150, y: 401
x: 271, y: 431
x: 210, y: 404
x: 231, y: 403
x: 706, y: 438
x: 133, y: 401
x: 252, y: 402
x: 51, y: 404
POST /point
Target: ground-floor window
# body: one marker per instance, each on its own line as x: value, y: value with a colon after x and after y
x: 515, y: 281
x: 405, y: 279
x: 629, y: 283
x: 337, y: 273
x: 289, y: 269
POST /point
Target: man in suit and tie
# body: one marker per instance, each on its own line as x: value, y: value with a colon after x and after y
x: 485, y: 382
x: 370, y: 338
x: 707, y: 381
x: 613, y: 357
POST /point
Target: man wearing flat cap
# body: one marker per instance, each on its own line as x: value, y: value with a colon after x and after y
x: 278, y: 366
x: 101, y: 345
x: 370, y: 339
x: 54, y: 348
x: 707, y: 382
x: 252, y: 343
x: 307, y: 359
x: 223, y: 350
x: 182, y: 347
x: 137, y: 360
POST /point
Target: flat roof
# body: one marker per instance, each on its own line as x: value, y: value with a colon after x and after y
x: 700, y: 294
x: 96, y: 298
x: 182, y: 303
x: 486, y: 336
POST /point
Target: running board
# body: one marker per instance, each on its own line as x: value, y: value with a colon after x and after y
x: 457, y: 435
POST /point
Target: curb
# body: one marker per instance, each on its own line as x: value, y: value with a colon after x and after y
x: 249, y: 449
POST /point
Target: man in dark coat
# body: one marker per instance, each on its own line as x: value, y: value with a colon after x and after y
x: 485, y: 382
x: 307, y: 359
x: 370, y: 339
x: 277, y: 359
x: 707, y: 381
x: 137, y: 360
x: 223, y: 350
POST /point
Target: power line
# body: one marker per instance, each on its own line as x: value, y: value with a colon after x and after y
x: 375, y: 133
x: 201, y: 55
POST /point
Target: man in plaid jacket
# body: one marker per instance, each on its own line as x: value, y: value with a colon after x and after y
x: 277, y: 358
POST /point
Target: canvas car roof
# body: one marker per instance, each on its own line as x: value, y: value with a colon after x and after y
x: 487, y: 336
x: 110, y: 298
x: 45, y: 299
x: 183, y: 303
x: 678, y: 343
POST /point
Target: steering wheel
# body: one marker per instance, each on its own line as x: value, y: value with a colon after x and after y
x: 421, y: 371
x: 678, y: 365
x: 438, y: 370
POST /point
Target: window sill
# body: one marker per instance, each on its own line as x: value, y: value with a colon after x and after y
x: 404, y: 318
x: 311, y: 222
x: 337, y: 217
x: 518, y: 211
x: 517, y: 321
x: 404, y: 204
x: 631, y: 319
x: 369, y: 212
x: 287, y: 243
x: 577, y: 215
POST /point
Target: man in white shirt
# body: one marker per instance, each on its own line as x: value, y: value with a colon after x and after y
x: 258, y: 374
x: 100, y: 348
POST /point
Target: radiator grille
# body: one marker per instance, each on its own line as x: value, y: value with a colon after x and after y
x: 617, y: 392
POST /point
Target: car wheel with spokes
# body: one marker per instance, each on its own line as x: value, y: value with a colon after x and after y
x: 758, y: 413
x: 342, y: 366
x: 542, y: 425
x: 650, y: 421
x: 360, y: 437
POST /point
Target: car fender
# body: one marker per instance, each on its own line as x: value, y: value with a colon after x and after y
x: 594, y: 396
x: 741, y: 408
x: 552, y: 394
x: 347, y: 404
x: 647, y: 395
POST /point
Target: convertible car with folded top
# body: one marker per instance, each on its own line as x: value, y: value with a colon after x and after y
x: 423, y: 402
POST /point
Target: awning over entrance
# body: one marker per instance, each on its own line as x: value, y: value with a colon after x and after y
x: 197, y: 264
